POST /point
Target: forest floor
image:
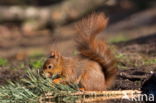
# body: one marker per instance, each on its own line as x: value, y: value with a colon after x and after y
x: 133, y: 39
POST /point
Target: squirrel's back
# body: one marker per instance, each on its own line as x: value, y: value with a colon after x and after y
x: 93, y: 49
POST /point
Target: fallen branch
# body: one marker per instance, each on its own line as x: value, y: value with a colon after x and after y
x: 93, y: 96
x: 132, y: 77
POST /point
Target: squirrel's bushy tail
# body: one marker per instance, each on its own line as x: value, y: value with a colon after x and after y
x: 94, y: 49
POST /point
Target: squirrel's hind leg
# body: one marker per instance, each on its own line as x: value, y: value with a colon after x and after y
x: 93, y: 79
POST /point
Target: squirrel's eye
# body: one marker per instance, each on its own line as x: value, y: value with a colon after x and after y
x: 50, y: 66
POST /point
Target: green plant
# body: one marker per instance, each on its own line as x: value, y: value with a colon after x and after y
x: 29, y: 89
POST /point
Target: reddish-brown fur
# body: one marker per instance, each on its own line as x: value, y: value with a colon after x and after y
x: 95, y: 67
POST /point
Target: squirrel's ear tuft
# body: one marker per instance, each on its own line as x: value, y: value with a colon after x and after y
x: 52, y: 54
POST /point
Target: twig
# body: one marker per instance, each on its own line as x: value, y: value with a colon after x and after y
x: 132, y: 77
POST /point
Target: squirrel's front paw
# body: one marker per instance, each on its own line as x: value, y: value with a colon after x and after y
x: 81, y: 89
x: 57, y: 81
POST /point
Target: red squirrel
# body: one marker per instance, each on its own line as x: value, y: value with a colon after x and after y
x: 95, y: 67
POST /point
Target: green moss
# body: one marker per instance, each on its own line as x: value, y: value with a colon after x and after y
x: 3, y: 62
x: 130, y: 60
x: 36, y: 55
x: 150, y: 61
x: 122, y: 67
x: 117, y: 39
x: 120, y: 56
x: 37, y: 63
